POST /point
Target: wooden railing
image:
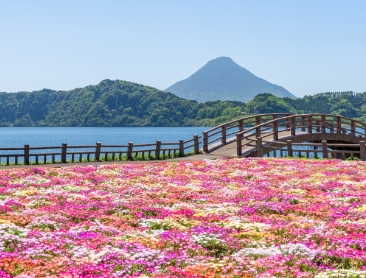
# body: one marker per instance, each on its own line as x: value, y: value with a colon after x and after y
x: 310, y: 150
x: 35, y: 155
x: 301, y: 124
x: 226, y: 133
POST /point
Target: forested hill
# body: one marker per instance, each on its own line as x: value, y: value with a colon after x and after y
x: 121, y: 103
x: 111, y: 103
x: 347, y: 104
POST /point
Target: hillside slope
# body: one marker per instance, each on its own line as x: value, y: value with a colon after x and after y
x: 111, y: 103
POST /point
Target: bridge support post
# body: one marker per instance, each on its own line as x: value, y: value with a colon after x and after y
x: 323, y: 123
x: 339, y: 125
x: 223, y: 134
x: 241, y: 125
x: 289, y: 148
x: 310, y: 124
x: 239, y: 147
x: 275, y: 129
x: 325, y: 149
x: 258, y: 129
x: 353, y: 128
x: 205, y: 142
x: 302, y: 123
x: 259, y: 147
x: 362, y: 151
x: 317, y: 126
x: 293, y: 126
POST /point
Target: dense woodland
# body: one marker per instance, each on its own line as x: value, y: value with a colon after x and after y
x: 121, y: 103
x: 347, y: 104
x: 111, y: 103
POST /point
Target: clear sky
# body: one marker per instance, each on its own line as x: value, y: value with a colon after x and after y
x: 305, y: 46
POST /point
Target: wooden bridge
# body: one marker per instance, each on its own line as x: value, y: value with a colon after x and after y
x: 304, y: 135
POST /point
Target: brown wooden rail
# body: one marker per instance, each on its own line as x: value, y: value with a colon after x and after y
x: 222, y: 134
x: 341, y: 128
x: 34, y: 155
x: 323, y: 149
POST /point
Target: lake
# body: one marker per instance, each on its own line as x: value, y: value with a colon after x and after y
x: 55, y: 136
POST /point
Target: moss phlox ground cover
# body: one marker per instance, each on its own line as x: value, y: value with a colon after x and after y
x: 221, y: 218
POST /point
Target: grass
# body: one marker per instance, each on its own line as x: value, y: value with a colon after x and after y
x: 138, y: 157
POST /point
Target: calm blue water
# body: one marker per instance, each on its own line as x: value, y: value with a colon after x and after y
x: 55, y: 136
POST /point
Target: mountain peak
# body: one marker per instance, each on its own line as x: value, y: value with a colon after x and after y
x: 223, y: 79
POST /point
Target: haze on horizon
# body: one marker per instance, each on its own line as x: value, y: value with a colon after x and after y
x: 307, y: 47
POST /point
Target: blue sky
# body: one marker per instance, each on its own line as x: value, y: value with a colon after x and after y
x: 305, y: 46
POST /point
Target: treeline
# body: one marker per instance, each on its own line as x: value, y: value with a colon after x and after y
x: 111, y: 103
x: 347, y: 104
x: 121, y: 103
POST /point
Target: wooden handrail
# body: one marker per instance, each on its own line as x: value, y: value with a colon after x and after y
x: 66, y: 152
x: 312, y: 122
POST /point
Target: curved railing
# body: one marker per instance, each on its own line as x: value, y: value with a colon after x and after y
x: 254, y: 137
x: 226, y: 133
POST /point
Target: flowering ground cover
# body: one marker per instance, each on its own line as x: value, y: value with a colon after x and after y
x: 222, y: 218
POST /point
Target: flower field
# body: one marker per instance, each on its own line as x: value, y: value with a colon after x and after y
x: 221, y: 218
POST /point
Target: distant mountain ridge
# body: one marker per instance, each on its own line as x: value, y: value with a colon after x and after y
x: 223, y: 79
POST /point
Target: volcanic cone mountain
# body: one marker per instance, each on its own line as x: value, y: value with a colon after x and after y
x: 223, y: 79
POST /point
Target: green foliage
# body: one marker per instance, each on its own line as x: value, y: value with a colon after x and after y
x: 110, y: 103
x: 121, y: 103
x: 268, y: 103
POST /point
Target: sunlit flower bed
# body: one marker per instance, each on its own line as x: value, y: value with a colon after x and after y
x: 222, y: 218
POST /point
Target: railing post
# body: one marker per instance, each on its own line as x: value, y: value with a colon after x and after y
x: 157, y: 150
x: 293, y: 126
x: 63, y: 152
x: 259, y: 147
x: 241, y: 125
x: 303, y: 123
x: 289, y: 148
x: 353, y: 128
x: 362, y: 151
x: 205, y: 142
x: 325, y: 148
x: 310, y: 124
x: 257, y: 130
x: 323, y: 123
x: 239, y: 148
x: 223, y: 134
x: 287, y: 123
x: 275, y: 128
x: 339, y: 125
x: 129, y: 150
x: 317, y: 126
x: 26, y: 154
x: 196, y: 144
x: 181, y: 147
x: 97, y: 151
